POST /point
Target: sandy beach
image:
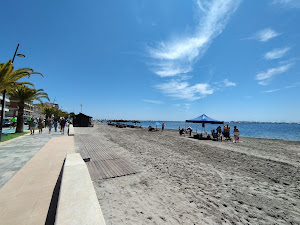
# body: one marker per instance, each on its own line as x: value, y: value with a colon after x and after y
x: 181, y: 180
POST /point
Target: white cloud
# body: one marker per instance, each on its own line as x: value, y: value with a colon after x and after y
x: 270, y: 91
x: 276, y: 53
x: 183, y: 90
x: 153, y: 101
x: 177, y: 56
x: 264, y: 77
x: 265, y: 35
x: 288, y: 3
x: 228, y: 83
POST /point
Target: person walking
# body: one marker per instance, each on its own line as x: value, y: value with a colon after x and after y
x: 32, y: 125
x: 62, y: 125
x: 40, y: 126
x: 50, y: 125
x: 55, y: 124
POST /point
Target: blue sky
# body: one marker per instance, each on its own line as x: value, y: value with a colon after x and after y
x: 161, y: 60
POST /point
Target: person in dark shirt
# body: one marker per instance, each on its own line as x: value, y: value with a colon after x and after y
x: 62, y: 125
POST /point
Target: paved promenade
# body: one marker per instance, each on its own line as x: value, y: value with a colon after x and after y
x: 31, y: 170
x: 16, y: 153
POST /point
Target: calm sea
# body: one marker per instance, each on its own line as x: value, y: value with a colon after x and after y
x: 259, y: 130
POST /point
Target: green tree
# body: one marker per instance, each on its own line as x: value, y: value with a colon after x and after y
x: 48, y: 111
x: 25, y: 94
x: 9, y: 77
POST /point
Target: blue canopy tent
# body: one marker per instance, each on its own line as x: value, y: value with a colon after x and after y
x: 204, y: 119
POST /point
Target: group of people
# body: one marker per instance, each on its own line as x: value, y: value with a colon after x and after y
x: 226, y: 132
x: 47, y: 123
x: 188, y: 130
x: 219, y: 132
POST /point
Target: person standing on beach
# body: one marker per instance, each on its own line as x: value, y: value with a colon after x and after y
x: 219, y: 132
x: 236, y: 134
x: 40, y: 126
x: 50, y: 125
x: 163, y: 127
x: 32, y: 125
x: 62, y: 125
x: 55, y: 124
x: 226, y: 131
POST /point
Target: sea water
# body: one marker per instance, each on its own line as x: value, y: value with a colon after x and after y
x: 258, y: 130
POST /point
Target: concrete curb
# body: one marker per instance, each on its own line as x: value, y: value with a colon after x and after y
x: 78, y: 203
x: 71, y: 130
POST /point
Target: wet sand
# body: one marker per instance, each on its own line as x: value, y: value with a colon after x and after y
x: 186, y: 181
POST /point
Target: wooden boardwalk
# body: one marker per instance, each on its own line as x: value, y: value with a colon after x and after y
x: 104, y: 163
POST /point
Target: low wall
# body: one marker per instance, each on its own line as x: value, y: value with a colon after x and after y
x: 71, y: 131
x: 78, y: 203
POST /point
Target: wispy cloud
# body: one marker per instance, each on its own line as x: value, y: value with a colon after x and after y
x: 178, y: 56
x: 153, y: 101
x: 288, y: 3
x: 276, y: 53
x: 183, y: 90
x: 286, y: 87
x: 265, y: 77
x: 228, y: 83
x: 265, y: 35
x: 270, y: 91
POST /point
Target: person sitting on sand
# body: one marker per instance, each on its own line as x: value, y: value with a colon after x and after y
x: 219, y: 132
x: 181, y: 131
x: 236, y: 134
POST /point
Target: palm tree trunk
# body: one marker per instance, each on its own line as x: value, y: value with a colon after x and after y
x: 20, y: 122
x: 2, y: 113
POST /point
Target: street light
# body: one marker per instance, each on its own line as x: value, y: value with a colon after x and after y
x: 4, y: 94
x: 19, y: 55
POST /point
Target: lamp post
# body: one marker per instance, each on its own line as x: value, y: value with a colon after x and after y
x: 4, y: 94
x: 81, y: 107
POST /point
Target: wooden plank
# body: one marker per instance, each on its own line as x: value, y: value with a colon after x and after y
x: 112, y: 165
x: 99, y: 164
x: 105, y: 163
x: 95, y: 175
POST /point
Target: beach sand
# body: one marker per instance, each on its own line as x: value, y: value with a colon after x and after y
x: 181, y: 180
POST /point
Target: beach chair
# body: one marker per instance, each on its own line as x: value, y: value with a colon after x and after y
x: 215, y: 137
x: 227, y: 136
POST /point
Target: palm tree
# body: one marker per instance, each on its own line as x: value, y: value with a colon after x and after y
x: 9, y: 79
x: 24, y: 94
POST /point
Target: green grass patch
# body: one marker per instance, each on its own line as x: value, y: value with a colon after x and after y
x: 12, y: 136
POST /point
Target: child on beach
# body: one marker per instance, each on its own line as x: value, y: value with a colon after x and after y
x: 236, y: 134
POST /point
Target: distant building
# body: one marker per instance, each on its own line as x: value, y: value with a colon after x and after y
x: 6, y: 109
x: 81, y: 120
x: 38, y: 111
x: 49, y: 104
x: 13, y: 108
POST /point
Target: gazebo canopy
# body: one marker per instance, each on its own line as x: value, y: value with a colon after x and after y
x: 204, y: 119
